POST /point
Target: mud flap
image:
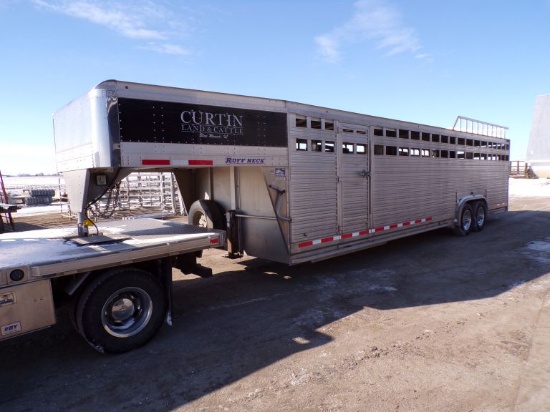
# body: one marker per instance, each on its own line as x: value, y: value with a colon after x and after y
x: 187, y: 263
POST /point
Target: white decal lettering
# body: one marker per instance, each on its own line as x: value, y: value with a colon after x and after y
x: 212, y: 125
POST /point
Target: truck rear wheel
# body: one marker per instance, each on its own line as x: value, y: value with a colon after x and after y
x: 466, y: 221
x: 206, y: 213
x: 121, y: 310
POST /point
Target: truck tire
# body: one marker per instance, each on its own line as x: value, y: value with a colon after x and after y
x: 480, y: 216
x: 121, y: 310
x: 206, y: 213
x: 465, y: 221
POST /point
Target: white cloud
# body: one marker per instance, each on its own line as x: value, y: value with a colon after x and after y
x: 166, y: 48
x: 328, y: 47
x: 144, y: 20
x: 373, y: 21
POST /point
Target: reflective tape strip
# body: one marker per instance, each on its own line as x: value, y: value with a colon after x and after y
x: 201, y: 162
x: 168, y: 162
x: 155, y: 162
x: 363, y: 232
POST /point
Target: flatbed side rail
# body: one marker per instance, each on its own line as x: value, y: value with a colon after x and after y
x: 126, y: 257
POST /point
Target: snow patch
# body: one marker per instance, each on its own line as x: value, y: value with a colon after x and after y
x: 311, y: 318
x: 529, y: 188
x: 539, y: 251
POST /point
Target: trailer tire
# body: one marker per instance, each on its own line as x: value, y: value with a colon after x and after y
x: 206, y: 213
x: 465, y: 221
x: 121, y: 310
x: 480, y: 216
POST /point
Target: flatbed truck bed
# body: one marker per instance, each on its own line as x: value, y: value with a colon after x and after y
x: 57, y: 252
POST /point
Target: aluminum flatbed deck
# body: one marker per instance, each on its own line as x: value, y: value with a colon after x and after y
x: 57, y: 252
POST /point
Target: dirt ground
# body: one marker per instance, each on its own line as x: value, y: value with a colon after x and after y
x: 429, y: 323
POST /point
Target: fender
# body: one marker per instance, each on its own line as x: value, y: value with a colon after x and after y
x: 462, y: 201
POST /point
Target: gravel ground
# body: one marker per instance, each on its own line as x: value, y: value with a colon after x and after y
x: 429, y: 323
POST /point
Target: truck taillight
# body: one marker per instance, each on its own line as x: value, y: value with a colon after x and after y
x: 17, y: 275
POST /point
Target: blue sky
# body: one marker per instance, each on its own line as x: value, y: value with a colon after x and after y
x: 425, y: 61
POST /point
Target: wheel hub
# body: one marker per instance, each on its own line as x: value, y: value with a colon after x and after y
x: 127, y: 312
x: 122, y: 309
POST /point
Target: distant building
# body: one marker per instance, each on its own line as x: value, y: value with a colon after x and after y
x: 538, y: 149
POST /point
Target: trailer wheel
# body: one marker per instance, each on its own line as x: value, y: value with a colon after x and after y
x: 121, y: 310
x: 480, y: 216
x: 206, y: 213
x: 466, y: 221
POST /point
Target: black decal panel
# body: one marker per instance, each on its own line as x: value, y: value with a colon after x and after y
x: 166, y: 122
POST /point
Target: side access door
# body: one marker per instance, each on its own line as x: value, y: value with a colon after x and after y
x: 353, y: 168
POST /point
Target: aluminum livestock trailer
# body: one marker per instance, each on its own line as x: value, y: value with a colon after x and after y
x: 298, y: 182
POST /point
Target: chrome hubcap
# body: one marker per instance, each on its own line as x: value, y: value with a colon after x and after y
x: 126, y: 312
